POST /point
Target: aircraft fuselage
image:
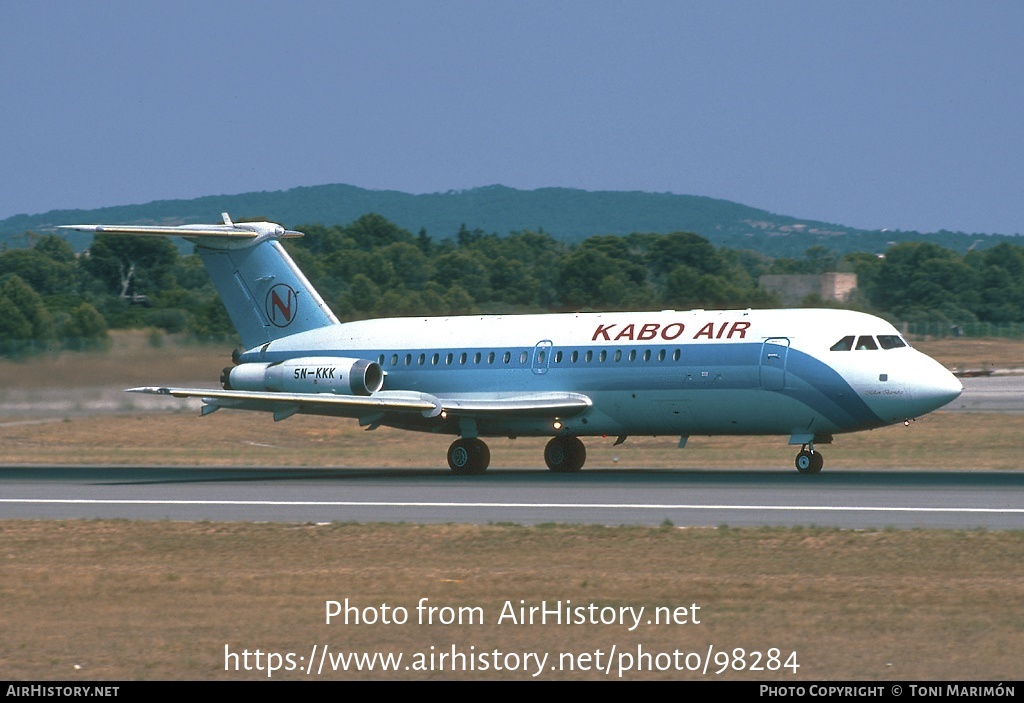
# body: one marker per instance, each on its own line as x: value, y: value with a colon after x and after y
x: 734, y: 372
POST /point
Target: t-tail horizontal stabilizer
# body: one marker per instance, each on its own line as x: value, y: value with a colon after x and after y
x: 265, y: 293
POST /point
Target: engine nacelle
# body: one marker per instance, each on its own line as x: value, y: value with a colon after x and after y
x: 315, y: 374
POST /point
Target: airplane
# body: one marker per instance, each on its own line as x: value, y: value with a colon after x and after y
x: 808, y: 374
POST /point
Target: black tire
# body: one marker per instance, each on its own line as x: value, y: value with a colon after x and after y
x: 565, y: 454
x: 468, y: 457
x: 808, y: 462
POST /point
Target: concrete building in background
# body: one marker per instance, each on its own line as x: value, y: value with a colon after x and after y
x: 794, y: 288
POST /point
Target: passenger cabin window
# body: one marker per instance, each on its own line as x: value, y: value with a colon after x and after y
x: 866, y: 342
x: 844, y: 344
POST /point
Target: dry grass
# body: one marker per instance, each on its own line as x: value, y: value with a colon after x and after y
x: 131, y: 361
x: 935, y: 441
x: 127, y: 600
x: 964, y: 353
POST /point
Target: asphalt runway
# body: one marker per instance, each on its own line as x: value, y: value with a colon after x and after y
x: 999, y: 393
x: 839, y: 498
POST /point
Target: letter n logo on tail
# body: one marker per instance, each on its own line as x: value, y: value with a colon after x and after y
x: 282, y: 305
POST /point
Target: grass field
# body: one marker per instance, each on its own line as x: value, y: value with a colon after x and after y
x: 134, y: 600
x: 938, y: 441
x: 122, y: 600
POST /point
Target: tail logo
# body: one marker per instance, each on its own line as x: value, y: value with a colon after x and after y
x: 282, y: 305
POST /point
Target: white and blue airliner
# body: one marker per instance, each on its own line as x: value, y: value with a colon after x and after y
x: 805, y: 374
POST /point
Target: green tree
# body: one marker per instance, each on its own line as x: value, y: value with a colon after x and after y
x: 85, y: 328
x: 56, y: 248
x: 373, y: 230
x: 129, y: 266
x: 464, y: 268
x: 15, y: 329
x: 683, y: 248
x: 210, y: 321
x: 408, y: 262
x: 45, y: 275
x: 31, y: 307
x: 921, y: 275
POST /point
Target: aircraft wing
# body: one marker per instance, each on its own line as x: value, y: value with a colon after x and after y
x: 284, y: 405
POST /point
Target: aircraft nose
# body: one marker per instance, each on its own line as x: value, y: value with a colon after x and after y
x: 934, y: 389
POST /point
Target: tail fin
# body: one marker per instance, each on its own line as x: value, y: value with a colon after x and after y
x: 265, y: 293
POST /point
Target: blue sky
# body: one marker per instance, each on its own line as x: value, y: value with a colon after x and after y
x: 905, y: 115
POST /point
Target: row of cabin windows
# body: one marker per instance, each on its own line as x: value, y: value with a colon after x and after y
x: 885, y: 341
x: 524, y: 357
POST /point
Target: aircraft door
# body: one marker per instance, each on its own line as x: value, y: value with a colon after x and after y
x: 773, y: 363
x: 542, y: 357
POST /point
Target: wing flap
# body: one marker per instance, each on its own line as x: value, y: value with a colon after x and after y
x: 541, y: 404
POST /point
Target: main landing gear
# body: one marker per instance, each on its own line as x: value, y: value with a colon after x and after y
x: 809, y: 461
x: 470, y: 456
x: 565, y: 454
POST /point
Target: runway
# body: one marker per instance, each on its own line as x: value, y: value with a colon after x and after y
x: 999, y: 393
x: 686, y: 498
x: 869, y: 499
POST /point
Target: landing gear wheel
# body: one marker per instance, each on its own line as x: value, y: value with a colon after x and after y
x: 809, y: 461
x: 565, y: 454
x: 468, y: 457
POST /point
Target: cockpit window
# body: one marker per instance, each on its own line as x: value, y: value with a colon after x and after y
x: 890, y: 341
x: 885, y: 341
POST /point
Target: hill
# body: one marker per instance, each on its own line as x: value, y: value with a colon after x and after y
x: 564, y: 213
